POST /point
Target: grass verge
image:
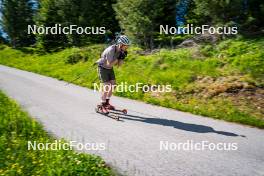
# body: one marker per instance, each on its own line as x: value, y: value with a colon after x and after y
x: 17, y: 128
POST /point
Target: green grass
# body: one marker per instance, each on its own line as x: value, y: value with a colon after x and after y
x: 240, y: 58
x: 17, y: 128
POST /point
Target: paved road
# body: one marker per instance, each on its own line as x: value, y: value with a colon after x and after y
x: 133, y: 145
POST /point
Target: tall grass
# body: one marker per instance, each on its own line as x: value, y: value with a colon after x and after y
x: 179, y: 68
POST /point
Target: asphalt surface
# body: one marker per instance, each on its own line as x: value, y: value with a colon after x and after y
x: 150, y: 140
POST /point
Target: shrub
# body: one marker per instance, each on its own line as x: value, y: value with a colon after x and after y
x: 74, y: 58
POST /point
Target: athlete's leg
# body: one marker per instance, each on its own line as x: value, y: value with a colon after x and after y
x: 104, y: 77
x: 107, y: 90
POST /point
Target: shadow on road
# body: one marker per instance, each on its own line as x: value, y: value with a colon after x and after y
x: 176, y: 124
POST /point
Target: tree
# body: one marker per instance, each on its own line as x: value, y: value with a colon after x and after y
x: 17, y: 15
x: 246, y: 14
x: 48, y: 16
x: 83, y: 13
x: 254, y: 11
x: 3, y: 40
x: 98, y: 13
x: 217, y: 11
x: 141, y: 19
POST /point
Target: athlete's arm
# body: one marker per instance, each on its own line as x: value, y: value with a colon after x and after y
x: 120, y: 62
x: 111, y: 64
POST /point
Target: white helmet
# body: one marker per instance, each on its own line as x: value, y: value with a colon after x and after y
x: 122, y: 39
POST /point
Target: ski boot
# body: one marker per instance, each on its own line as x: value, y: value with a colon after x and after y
x: 102, y: 109
x: 109, y: 106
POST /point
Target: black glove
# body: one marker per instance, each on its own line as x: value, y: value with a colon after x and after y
x: 122, y: 55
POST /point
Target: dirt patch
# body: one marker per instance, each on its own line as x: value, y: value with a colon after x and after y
x: 210, y: 87
x: 245, y: 96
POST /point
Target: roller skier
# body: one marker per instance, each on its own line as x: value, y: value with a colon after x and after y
x: 113, y: 55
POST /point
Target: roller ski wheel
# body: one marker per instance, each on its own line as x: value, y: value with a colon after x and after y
x: 124, y: 111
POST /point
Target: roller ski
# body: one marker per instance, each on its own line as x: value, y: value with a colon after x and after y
x: 112, y: 55
x: 112, y: 108
x: 102, y: 109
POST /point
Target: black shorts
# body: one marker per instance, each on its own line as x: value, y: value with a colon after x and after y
x: 106, y: 75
